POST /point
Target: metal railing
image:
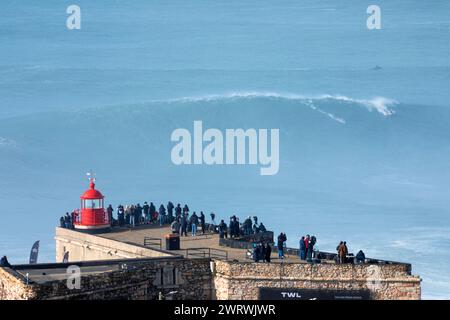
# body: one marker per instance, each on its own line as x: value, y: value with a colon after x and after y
x: 206, y: 253
x: 153, y: 242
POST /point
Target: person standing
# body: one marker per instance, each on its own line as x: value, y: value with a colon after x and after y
x: 162, y: 215
x: 202, y: 222
x: 268, y: 252
x: 262, y: 251
x: 183, y: 223
x: 127, y: 215
x: 309, y: 252
x: 306, y: 244
x: 132, y: 216
x: 4, y: 262
x: 146, y: 209
x: 343, y: 251
x: 62, y: 222
x: 67, y: 220
x: 110, y: 211
x: 170, y: 207
x: 256, y: 252
x: 120, y: 215
x: 302, y: 249
x: 338, y: 248
x: 178, y: 211
x: 152, y: 211
x: 280, y: 243
x: 194, y: 223
x: 247, y: 226
x: 222, y: 229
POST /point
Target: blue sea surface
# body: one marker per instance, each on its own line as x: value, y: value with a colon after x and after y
x: 364, y: 150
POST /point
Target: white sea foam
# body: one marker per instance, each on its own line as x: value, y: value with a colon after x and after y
x: 6, y: 142
x: 380, y: 104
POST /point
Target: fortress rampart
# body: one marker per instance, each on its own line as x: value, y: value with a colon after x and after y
x: 114, y: 269
x: 243, y: 280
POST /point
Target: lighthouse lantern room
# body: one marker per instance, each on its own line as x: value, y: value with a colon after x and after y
x: 92, y: 216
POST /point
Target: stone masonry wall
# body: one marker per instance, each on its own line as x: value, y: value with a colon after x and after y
x: 85, y: 247
x: 242, y: 280
x: 12, y: 287
x: 142, y: 280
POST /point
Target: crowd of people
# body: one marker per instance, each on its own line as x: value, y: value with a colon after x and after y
x: 261, y: 252
x: 342, y: 254
x: 177, y: 216
x: 307, y: 247
x: 67, y: 220
x: 236, y: 229
x: 182, y: 222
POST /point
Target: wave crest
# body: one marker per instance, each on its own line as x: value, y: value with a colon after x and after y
x: 380, y: 104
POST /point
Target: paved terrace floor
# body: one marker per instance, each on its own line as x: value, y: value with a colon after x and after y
x: 209, y: 240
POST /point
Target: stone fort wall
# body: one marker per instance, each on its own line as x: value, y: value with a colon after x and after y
x: 242, y: 280
x: 141, y: 279
x: 150, y: 271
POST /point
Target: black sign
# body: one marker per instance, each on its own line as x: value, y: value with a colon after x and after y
x: 312, y: 294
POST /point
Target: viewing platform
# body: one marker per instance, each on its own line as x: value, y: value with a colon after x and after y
x: 202, y: 245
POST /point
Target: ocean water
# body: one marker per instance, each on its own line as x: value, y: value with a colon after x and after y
x: 364, y: 153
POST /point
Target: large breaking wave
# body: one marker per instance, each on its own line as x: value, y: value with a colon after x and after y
x: 382, y: 105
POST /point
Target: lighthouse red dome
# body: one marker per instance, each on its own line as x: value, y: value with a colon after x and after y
x: 92, y: 217
x: 92, y: 193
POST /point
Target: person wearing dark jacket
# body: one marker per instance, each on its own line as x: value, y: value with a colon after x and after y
x: 121, y: 215
x: 222, y: 229
x: 152, y: 211
x: 138, y: 214
x: 62, y: 222
x: 247, y: 226
x: 234, y: 227
x: 268, y: 252
x: 280, y: 244
x: 4, y: 262
x: 162, y: 215
x: 178, y: 211
x: 185, y: 209
x: 360, y: 257
x: 170, y: 207
x: 110, y: 211
x: 146, y: 209
x: 310, y: 250
x: 262, y: 251
x: 202, y: 222
x: 194, y: 223
x: 67, y: 221
x: 302, y: 249
x: 183, y: 225
x: 262, y: 228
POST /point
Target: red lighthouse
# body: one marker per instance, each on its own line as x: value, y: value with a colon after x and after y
x: 92, y: 217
